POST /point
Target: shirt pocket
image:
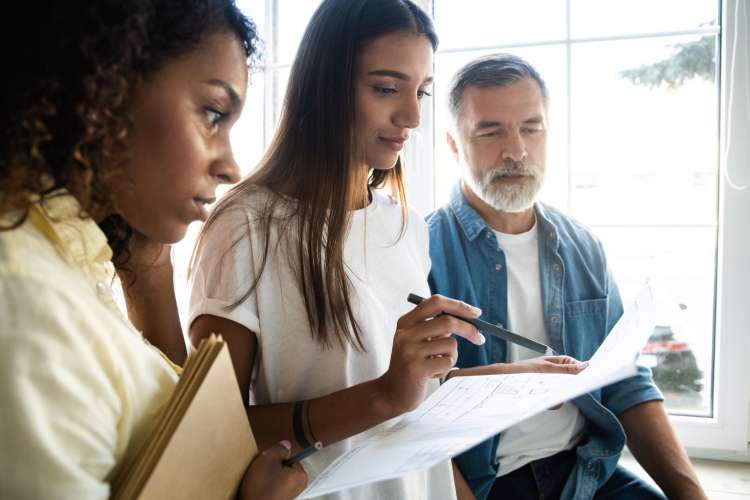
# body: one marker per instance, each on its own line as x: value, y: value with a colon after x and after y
x: 585, y: 326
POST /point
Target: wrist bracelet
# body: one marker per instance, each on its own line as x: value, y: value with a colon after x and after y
x: 309, y: 424
x: 299, y: 431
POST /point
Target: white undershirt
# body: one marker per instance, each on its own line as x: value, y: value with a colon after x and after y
x: 554, y: 430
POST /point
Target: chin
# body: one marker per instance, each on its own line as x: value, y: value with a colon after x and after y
x: 174, y: 235
x: 383, y: 164
x: 166, y: 234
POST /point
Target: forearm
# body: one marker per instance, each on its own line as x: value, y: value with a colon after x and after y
x: 541, y: 364
x: 463, y: 492
x: 333, y: 418
x: 152, y: 308
x: 492, y: 369
x: 653, y: 442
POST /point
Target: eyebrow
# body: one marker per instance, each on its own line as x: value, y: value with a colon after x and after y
x: 534, y: 120
x: 233, y: 95
x: 395, y: 74
x: 487, y: 124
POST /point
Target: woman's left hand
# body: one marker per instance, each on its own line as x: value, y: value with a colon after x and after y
x: 544, y: 364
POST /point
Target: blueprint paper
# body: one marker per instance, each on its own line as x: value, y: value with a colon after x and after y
x: 467, y: 410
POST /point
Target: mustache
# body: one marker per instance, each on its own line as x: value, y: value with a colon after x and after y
x: 512, y: 167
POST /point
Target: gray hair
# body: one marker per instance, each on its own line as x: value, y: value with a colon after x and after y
x: 494, y: 70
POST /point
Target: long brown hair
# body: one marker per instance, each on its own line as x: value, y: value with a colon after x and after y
x: 311, y: 156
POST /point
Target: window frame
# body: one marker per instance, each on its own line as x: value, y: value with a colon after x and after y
x: 725, y: 435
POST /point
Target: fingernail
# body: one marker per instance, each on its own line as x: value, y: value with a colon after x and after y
x: 476, y: 310
x: 482, y: 340
x: 286, y: 444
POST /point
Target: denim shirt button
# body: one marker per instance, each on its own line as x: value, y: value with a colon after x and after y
x: 591, y: 467
x: 499, y: 325
x: 498, y: 267
x: 555, y: 319
x: 556, y: 268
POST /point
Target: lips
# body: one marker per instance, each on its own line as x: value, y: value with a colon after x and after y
x: 205, y: 201
x: 202, y: 205
x: 395, y: 143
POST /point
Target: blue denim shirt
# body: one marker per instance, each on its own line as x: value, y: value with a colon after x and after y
x: 581, y: 304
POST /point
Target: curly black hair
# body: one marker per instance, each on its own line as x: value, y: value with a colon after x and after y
x: 71, y: 69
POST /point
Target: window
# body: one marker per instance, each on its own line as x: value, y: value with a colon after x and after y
x: 649, y: 117
x: 639, y: 118
x: 626, y: 97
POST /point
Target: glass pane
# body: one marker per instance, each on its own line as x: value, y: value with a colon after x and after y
x: 247, y: 134
x: 479, y: 23
x: 255, y: 10
x: 596, y: 18
x: 644, y: 151
x: 549, y: 61
x: 292, y: 17
x: 279, y: 79
x: 680, y: 263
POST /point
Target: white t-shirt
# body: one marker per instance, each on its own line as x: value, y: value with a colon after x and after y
x: 290, y: 364
x: 553, y: 430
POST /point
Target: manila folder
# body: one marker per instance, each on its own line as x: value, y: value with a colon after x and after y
x: 202, y: 443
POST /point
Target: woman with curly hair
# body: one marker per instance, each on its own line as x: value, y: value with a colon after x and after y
x: 114, y: 134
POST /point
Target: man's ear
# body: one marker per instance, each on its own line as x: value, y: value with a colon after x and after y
x: 452, y: 144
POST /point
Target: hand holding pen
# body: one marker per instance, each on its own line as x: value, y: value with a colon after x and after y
x: 496, y: 330
x: 303, y: 454
x: 269, y: 478
x: 424, y: 348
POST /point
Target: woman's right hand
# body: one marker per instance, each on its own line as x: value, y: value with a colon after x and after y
x: 267, y: 478
x: 423, y: 349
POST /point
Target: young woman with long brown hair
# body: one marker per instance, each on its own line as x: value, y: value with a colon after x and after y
x: 305, y: 266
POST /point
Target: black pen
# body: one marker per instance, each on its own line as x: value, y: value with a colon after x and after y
x: 497, y: 331
x: 303, y: 454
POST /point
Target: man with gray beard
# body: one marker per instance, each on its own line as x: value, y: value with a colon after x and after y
x: 540, y: 273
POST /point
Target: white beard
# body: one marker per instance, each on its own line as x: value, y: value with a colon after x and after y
x: 512, y: 198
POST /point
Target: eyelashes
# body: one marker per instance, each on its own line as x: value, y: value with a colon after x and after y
x: 386, y: 91
x: 213, y: 116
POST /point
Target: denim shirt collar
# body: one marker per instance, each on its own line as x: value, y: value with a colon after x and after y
x: 469, y: 219
x: 473, y: 225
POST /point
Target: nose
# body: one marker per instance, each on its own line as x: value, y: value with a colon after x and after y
x: 226, y: 169
x: 409, y: 113
x: 514, y: 147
